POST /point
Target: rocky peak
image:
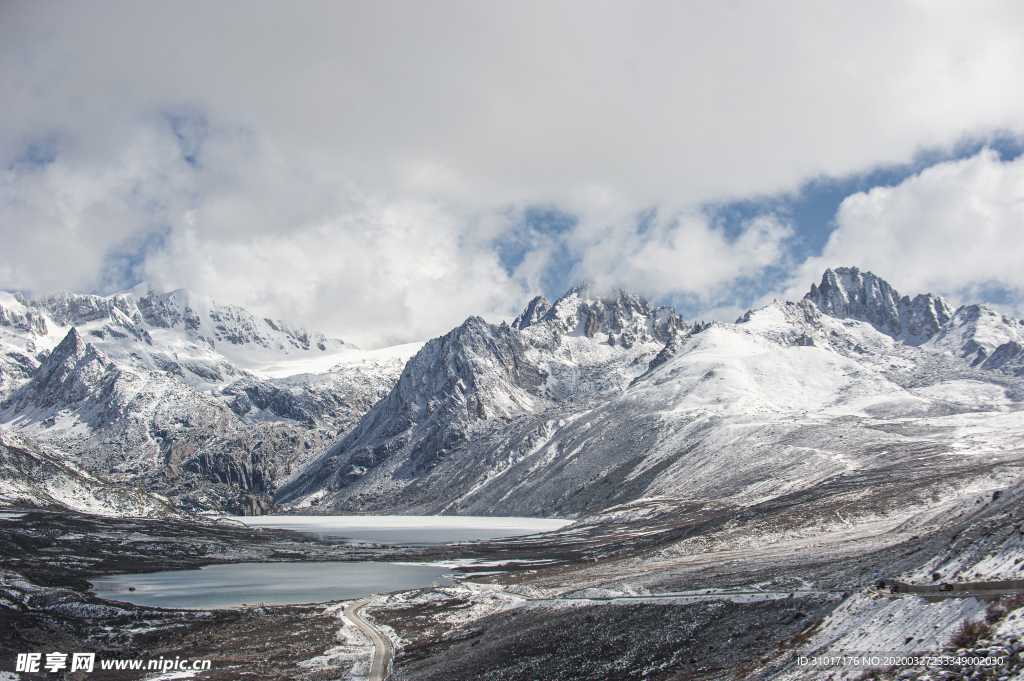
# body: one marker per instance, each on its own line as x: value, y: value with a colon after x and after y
x: 159, y: 312
x: 983, y: 337
x: 205, y: 320
x: 71, y: 308
x: 477, y: 367
x: 848, y: 293
x: 18, y: 316
x: 67, y: 308
x: 533, y: 313
x: 615, y: 316
x: 71, y: 348
x: 76, y: 309
x: 925, y: 315
x: 474, y: 376
x: 192, y: 317
x: 66, y: 377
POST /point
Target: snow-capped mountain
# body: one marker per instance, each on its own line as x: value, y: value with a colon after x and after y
x: 201, y: 400
x: 587, y: 343
x: 480, y: 379
x: 985, y: 338
x: 204, y: 342
x: 848, y: 293
x: 600, y: 400
x: 980, y: 335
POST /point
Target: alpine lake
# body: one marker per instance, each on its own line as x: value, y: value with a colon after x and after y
x: 287, y: 583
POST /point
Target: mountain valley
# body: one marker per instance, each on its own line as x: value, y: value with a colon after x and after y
x: 738, y: 491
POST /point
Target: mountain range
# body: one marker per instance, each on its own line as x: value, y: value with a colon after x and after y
x: 577, y: 407
x: 178, y: 393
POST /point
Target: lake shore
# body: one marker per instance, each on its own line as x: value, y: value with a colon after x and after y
x: 48, y: 557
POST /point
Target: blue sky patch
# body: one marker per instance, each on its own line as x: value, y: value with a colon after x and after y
x: 191, y: 130
x: 538, y: 228
x: 993, y: 293
x: 37, y: 153
x: 812, y: 208
x: 122, y: 263
x: 810, y: 211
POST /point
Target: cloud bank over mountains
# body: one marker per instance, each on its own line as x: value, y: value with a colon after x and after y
x: 955, y: 228
x: 389, y: 169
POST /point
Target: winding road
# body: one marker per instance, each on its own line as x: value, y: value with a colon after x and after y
x: 382, y: 650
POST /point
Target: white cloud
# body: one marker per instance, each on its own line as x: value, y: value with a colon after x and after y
x: 62, y: 220
x: 684, y: 101
x: 681, y: 254
x: 353, y: 165
x: 244, y: 224
x: 956, y: 229
x: 382, y: 274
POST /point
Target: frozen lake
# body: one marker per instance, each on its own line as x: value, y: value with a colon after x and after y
x: 226, y: 586
x: 406, y: 530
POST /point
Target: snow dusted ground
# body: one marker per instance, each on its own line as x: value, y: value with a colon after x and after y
x: 874, y: 623
x: 335, y: 362
x: 355, y: 649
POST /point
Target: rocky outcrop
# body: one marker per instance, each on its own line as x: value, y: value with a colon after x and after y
x: 533, y: 313
x: 31, y: 476
x: 629, y: 318
x: 71, y: 374
x: 848, y: 293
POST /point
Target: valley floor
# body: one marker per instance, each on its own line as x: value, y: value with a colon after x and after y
x: 655, y: 589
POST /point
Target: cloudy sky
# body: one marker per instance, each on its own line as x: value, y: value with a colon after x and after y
x: 382, y: 170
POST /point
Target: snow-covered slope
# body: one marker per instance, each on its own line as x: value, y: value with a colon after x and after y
x: 197, y: 399
x: 31, y: 476
x: 553, y: 417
